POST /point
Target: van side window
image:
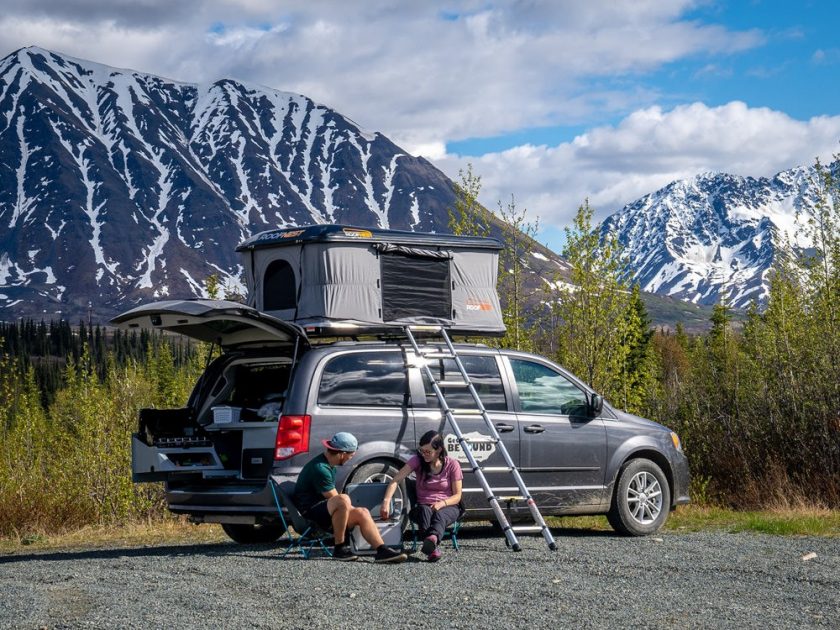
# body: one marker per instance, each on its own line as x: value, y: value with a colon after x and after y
x: 364, y: 380
x: 485, y: 377
x: 279, y: 290
x: 542, y: 390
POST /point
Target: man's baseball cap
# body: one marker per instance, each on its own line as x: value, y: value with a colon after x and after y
x: 342, y: 441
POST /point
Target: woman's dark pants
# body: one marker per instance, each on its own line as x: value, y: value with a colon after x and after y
x: 434, y: 522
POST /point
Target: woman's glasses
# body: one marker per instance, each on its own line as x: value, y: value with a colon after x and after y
x: 426, y: 451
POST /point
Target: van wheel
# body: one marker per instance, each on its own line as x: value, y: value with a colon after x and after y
x: 254, y: 534
x: 642, y: 499
x: 384, y: 472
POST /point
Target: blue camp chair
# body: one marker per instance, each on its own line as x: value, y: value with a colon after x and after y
x: 309, y: 533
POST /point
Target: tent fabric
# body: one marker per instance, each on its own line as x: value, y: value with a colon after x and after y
x: 416, y: 252
x: 374, y: 283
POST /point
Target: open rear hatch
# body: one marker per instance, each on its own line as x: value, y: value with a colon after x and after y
x: 228, y: 324
x: 228, y: 428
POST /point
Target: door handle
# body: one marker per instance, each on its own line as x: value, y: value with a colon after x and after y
x: 504, y: 428
x: 534, y: 428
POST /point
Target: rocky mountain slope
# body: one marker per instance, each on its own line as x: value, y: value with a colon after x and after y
x: 713, y: 237
x: 118, y: 187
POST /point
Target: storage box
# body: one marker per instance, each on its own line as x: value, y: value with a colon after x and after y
x: 226, y: 415
x: 391, y: 532
x: 369, y: 495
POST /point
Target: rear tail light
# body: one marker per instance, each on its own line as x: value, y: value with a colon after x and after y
x: 292, y: 436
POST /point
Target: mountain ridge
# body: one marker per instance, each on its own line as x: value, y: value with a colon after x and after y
x: 714, y: 237
x: 104, y: 167
x: 119, y: 187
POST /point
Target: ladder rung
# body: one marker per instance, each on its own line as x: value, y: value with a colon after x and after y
x: 526, y: 529
x: 465, y: 412
x: 452, y: 383
x: 510, y: 499
x: 492, y: 469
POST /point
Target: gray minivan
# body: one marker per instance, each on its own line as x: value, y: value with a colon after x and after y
x: 265, y: 404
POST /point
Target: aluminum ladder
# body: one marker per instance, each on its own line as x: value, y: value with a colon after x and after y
x: 451, y: 417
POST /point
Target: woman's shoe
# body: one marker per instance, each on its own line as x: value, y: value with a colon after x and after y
x: 429, y: 544
x: 435, y: 555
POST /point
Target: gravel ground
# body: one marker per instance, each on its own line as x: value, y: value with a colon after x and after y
x: 594, y: 580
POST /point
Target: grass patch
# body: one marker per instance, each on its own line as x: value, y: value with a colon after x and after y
x: 153, y: 533
x: 692, y: 518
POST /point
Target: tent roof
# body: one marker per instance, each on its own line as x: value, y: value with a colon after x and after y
x: 282, y: 237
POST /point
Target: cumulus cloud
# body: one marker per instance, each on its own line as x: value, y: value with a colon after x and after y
x: 423, y: 73
x: 615, y: 165
x: 429, y: 73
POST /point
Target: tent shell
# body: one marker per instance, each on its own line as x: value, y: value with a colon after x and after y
x: 331, y: 277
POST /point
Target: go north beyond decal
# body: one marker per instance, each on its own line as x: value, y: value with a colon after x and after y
x: 481, y: 450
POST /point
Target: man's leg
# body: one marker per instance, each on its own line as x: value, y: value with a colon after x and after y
x: 361, y: 517
x: 370, y: 532
x: 340, y: 508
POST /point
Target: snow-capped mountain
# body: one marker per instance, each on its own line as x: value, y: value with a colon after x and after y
x: 714, y: 236
x: 118, y: 187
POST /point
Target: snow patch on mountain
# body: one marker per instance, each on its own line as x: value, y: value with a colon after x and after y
x: 714, y: 237
x: 128, y: 186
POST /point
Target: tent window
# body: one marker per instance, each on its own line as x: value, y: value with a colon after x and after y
x: 415, y: 287
x: 279, y: 290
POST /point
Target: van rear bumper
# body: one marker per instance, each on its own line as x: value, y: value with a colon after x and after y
x: 197, y: 499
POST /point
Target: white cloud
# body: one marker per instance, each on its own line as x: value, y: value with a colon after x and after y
x: 613, y: 166
x: 428, y: 73
x: 423, y: 73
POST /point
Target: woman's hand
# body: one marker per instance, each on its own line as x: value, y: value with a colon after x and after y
x: 438, y: 505
x: 384, y: 511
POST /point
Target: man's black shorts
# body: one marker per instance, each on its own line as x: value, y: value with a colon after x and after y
x: 320, y: 515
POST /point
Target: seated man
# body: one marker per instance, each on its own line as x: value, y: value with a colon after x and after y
x: 319, y: 501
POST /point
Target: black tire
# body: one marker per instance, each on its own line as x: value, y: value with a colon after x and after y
x: 254, y: 534
x: 642, y: 499
x: 381, y: 471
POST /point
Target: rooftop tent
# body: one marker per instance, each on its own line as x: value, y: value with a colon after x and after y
x: 327, y: 276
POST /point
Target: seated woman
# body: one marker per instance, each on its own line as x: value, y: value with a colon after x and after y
x: 439, y: 481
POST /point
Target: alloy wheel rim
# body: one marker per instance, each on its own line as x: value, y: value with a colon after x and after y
x: 644, y: 498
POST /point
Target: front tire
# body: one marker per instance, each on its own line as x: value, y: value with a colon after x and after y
x: 254, y: 534
x: 641, y: 500
x: 381, y: 471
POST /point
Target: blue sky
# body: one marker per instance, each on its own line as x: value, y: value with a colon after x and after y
x: 550, y: 101
x: 794, y: 67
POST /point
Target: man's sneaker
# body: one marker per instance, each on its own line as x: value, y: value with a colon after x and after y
x: 344, y: 553
x: 429, y: 544
x: 386, y: 554
x: 435, y: 555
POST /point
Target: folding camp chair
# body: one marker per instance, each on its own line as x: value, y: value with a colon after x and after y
x: 309, y: 533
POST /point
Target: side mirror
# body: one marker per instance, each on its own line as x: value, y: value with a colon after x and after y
x: 596, y: 404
